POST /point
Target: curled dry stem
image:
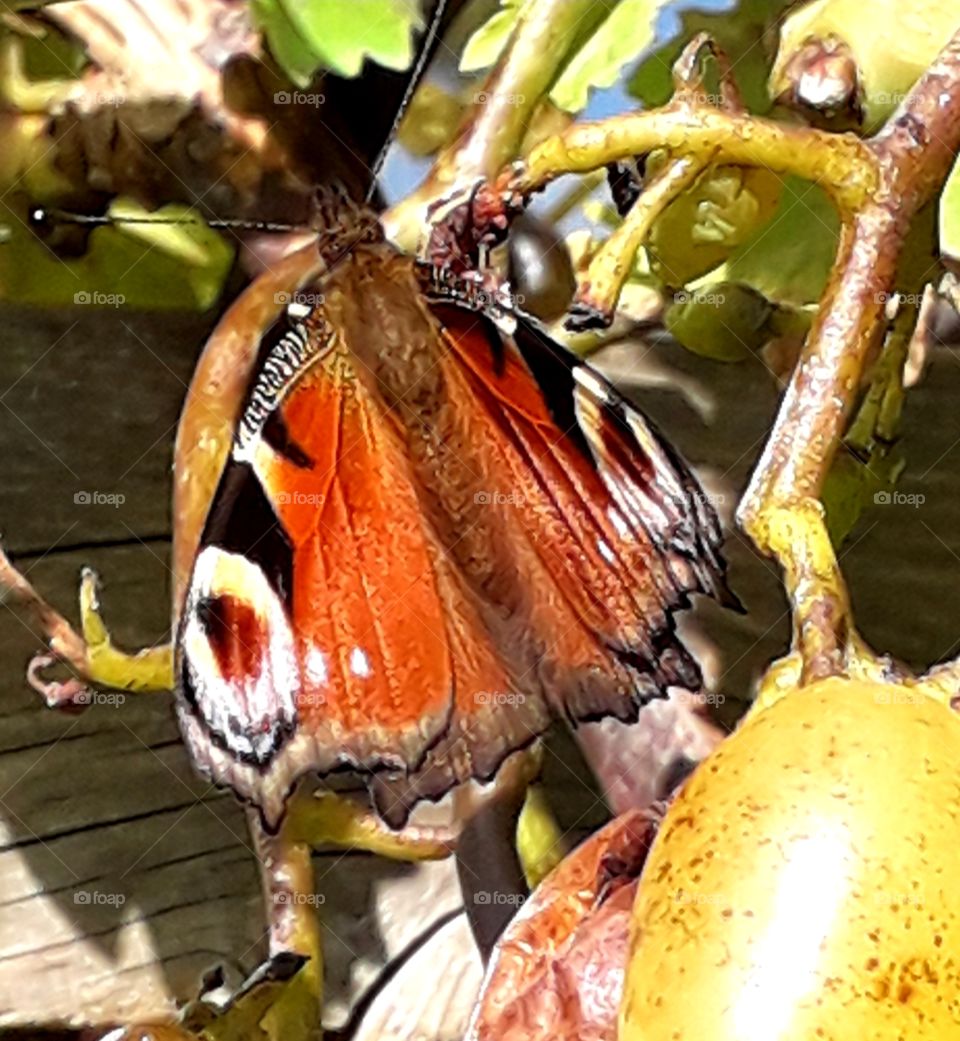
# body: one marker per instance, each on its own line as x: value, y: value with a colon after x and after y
x: 65, y: 643
x: 91, y: 655
x: 62, y: 638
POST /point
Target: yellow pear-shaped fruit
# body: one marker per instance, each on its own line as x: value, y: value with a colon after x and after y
x: 805, y: 884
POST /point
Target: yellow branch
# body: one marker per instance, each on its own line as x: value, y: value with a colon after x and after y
x: 841, y: 163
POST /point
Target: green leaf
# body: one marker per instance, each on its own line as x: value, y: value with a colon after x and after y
x: 292, y: 53
x: 162, y: 267
x: 52, y: 55
x: 623, y: 36
x: 789, y: 258
x: 485, y: 45
x: 189, y: 241
x: 339, y: 35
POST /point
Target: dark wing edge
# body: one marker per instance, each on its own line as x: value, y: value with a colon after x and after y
x: 670, y: 504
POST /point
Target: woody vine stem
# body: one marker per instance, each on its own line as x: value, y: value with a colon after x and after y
x: 878, y: 186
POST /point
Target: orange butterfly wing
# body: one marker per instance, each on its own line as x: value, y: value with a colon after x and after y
x: 360, y: 671
x: 461, y: 534
x: 609, y: 534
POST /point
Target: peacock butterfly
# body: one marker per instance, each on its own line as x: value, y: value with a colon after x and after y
x: 436, y: 530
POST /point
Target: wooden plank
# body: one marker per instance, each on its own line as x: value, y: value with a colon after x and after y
x: 89, y: 399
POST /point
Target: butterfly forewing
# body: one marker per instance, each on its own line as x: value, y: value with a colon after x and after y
x: 459, y: 533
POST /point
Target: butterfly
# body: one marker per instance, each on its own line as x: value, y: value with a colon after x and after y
x: 436, y: 530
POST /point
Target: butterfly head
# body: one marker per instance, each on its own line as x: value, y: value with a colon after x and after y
x: 341, y: 223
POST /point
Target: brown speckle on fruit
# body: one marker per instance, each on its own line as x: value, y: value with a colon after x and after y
x: 822, y: 911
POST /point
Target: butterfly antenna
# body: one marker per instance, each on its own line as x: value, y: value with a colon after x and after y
x: 41, y: 215
x: 423, y: 60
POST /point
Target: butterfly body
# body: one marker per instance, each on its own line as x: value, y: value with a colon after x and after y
x: 435, y: 531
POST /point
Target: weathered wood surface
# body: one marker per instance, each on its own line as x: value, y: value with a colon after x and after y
x: 122, y: 875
